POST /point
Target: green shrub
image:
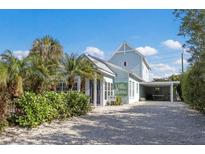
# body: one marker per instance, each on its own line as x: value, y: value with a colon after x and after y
x: 193, y: 86
x: 58, y: 102
x: 117, y: 101
x: 78, y: 103
x: 34, y: 109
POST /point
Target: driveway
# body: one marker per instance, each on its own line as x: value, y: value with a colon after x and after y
x: 140, y: 123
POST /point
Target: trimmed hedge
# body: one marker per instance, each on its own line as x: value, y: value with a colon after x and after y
x: 193, y: 86
x: 33, y: 109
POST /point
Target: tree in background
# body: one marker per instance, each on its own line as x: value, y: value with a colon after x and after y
x: 193, y: 81
x: 15, y: 71
x: 44, y: 61
x: 48, y: 48
x: 193, y: 28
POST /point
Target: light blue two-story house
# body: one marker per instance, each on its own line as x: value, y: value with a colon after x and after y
x: 126, y: 74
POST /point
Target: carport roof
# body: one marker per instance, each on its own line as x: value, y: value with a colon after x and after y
x: 160, y: 83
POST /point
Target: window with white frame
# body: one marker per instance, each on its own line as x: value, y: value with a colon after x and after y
x: 137, y: 88
x: 108, y: 90
x: 133, y: 89
x: 130, y: 88
x: 105, y: 90
x: 111, y: 89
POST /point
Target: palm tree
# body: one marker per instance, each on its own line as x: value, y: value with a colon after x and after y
x: 40, y: 74
x: 76, y: 66
x: 48, y: 48
x: 15, y: 70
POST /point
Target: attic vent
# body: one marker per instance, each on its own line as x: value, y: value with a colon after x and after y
x: 125, y: 63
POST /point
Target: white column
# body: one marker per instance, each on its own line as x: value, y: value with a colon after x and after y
x: 78, y: 83
x: 171, y: 93
x: 95, y: 91
x: 87, y: 87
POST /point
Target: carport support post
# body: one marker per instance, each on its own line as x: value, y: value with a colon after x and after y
x: 171, y: 93
x: 95, y: 90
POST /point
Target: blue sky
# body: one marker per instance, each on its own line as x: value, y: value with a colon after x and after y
x: 99, y: 32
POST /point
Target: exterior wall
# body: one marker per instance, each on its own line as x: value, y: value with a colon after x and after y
x: 133, y: 91
x: 121, y: 77
x: 145, y: 72
x: 132, y: 59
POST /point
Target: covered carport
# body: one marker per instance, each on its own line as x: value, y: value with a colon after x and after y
x: 158, y: 91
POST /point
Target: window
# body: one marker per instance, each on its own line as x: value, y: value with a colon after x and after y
x: 130, y: 87
x: 111, y: 89
x: 137, y: 88
x: 125, y: 63
x: 133, y: 89
x: 108, y: 90
x: 105, y: 90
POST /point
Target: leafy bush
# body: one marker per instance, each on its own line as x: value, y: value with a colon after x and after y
x: 34, y: 109
x: 78, y: 103
x: 118, y: 101
x: 58, y: 102
x: 193, y: 86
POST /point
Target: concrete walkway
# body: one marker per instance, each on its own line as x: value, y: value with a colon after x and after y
x: 141, y: 123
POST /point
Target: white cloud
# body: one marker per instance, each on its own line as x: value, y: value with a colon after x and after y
x: 179, y: 61
x: 94, y: 52
x: 20, y: 54
x: 172, y: 44
x: 147, y: 51
x: 161, y: 70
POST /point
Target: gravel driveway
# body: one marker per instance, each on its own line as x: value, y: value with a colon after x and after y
x: 140, y: 123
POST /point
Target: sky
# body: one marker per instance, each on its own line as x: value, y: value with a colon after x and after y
x: 98, y: 32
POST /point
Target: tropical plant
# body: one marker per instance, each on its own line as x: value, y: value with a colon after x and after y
x: 48, y: 48
x: 39, y: 74
x: 76, y: 66
x: 15, y: 71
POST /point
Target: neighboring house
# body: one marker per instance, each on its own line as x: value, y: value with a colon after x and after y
x: 126, y: 74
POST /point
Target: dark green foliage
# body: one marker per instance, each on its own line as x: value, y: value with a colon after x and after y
x: 35, y: 109
x: 193, y: 28
x: 78, y: 103
x: 193, y: 85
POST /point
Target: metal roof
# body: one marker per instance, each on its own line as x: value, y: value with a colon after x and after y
x: 100, y: 64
